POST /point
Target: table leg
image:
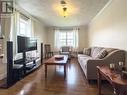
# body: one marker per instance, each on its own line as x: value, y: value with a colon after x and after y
x: 99, y: 82
x: 124, y: 93
x: 45, y: 71
x: 64, y: 71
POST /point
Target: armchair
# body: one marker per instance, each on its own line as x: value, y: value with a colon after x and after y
x: 66, y: 50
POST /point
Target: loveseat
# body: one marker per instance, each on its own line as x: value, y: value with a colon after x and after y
x: 94, y: 56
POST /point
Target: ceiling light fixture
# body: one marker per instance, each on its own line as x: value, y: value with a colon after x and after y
x: 64, y: 7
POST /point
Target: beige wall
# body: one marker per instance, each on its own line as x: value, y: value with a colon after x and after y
x: 50, y: 36
x: 83, y: 32
x: 40, y: 33
x: 109, y: 28
x: 83, y: 37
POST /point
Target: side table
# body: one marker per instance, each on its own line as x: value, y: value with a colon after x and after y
x: 118, y: 83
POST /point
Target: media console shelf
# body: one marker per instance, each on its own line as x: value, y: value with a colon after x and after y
x: 32, y: 64
x: 29, y: 65
x: 17, y: 69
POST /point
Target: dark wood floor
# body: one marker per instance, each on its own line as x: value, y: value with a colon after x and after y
x: 75, y: 84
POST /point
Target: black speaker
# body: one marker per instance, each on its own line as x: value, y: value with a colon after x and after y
x: 41, y: 53
x: 9, y: 63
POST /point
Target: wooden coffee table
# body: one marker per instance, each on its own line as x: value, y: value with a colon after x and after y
x: 54, y: 61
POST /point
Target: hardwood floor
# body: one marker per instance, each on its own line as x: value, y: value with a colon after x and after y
x: 75, y: 83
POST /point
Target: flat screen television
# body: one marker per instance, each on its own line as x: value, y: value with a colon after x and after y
x: 31, y: 44
x: 26, y: 44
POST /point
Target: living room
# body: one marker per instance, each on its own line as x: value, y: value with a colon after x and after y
x: 91, y: 23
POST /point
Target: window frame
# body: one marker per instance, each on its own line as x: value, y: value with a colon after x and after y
x: 27, y: 23
x: 66, y: 39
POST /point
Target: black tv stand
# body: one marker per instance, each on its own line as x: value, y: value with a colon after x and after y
x: 29, y: 65
x: 32, y: 64
x: 17, y: 69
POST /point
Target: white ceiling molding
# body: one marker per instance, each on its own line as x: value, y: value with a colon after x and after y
x: 109, y: 2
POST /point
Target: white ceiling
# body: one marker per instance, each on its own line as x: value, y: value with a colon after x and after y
x: 81, y: 12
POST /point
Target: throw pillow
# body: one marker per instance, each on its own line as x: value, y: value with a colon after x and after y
x: 87, y: 51
x: 102, y: 54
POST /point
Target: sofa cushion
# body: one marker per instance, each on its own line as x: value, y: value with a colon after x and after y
x: 95, y: 51
x: 87, y: 51
x: 83, y: 60
x: 102, y: 54
x: 82, y: 55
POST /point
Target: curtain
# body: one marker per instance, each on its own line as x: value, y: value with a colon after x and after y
x: 74, y: 34
x: 57, y: 39
x: 76, y: 39
x: 32, y: 27
x: 14, y: 32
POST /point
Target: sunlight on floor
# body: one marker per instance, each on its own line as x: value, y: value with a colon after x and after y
x: 71, y: 76
x: 26, y: 89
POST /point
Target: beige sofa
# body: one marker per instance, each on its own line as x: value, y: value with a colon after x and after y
x: 89, y: 62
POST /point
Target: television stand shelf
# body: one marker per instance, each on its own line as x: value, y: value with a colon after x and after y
x: 32, y: 65
x: 29, y: 65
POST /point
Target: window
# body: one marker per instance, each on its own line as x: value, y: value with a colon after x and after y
x: 24, y: 26
x: 66, y: 38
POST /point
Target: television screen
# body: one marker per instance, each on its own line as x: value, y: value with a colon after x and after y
x: 26, y: 44
x: 31, y: 44
x: 21, y: 44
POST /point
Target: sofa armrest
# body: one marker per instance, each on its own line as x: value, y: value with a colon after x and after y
x: 116, y: 56
x: 91, y: 67
x: 96, y: 62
